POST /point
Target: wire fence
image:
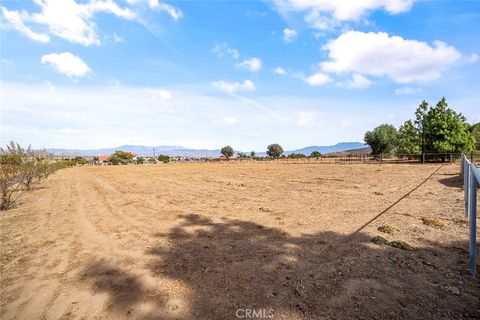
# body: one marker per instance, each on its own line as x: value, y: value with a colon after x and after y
x: 471, y: 179
x: 343, y: 159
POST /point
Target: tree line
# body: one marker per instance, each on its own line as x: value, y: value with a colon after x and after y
x: 274, y: 150
x: 434, y: 129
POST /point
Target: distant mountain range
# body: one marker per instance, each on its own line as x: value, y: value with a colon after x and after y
x: 185, y: 152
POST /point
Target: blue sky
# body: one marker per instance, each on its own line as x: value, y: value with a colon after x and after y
x: 203, y: 74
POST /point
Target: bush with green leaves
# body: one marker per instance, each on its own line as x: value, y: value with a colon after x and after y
x: 121, y: 157
x: 164, y: 158
x: 296, y: 156
x: 115, y: 160
x: 315, y: 154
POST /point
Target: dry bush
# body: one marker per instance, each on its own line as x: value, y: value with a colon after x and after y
x: 434, y: 222
x: 19, y: 170
x: 11, y: 174
x: 387, y: 229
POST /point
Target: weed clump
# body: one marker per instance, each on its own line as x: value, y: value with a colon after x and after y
x: 379, y: 240
x: 401, y: 245
x: 387, y: 229
x: 434, y: 222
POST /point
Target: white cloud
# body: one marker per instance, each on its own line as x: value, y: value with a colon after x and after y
x: 325, y: 14
x: 117, y: 38
x: 289, y: 34
x: 357, y: 82
x: 68, y: 19
x: 279, y: 71
x: 306, y: 119
x: 160, y: 94
x: 318, y: 79
x: 72, y: 20
x: 233, y: 86
x: 221, y: 49
x: 407, y: 91
x: 378, y: 54
x: 67, y: 64
x: 252, y: 64
x: 175, y: 13
x: 15, y: 20
x: 228, y: 120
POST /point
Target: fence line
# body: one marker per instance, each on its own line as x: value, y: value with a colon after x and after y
x: 471, y: 178
x: 338, y: 159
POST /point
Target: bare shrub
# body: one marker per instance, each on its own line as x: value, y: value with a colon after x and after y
x: 12, y: 174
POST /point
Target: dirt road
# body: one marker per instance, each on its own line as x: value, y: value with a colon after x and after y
x: 213, y: 241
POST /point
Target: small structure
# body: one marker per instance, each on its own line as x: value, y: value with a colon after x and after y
x: 102, y: 159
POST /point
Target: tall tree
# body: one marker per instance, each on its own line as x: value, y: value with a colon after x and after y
x: 382, y: 139
x: 274, y: 150
x: 444, y: 130
x: 409, y: 139
x: 227, y: 151
x: 476, y: 135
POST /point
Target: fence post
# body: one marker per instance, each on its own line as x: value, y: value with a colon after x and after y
x: 423, y: 157
x: 472, y: 269
x: 466, y: 186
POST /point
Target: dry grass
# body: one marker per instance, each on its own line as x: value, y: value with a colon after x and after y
x: 434, y: 222
x: 387, y: 229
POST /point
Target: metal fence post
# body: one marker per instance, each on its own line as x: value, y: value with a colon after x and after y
x: 472, y: 268
x: 466, y: 187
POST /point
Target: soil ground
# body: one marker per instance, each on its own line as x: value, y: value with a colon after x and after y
x: 228, y: 241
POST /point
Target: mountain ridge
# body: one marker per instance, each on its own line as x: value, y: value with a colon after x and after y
x: 190, y: 152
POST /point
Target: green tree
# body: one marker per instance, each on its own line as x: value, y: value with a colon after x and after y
x: 242, y: 155
x: 140, y: 160
x: 409, y: 141
x: 476, y: 135
x: 114, y: 159
x: 274, y: 150
x: 124, y: 155
x: 227, y: 151
x: 252, y: 154
x: 420, y: 125
x: 444, y: 130
x: 164, y: 158
x: 382, y: 139
x: 315, y: 154
x: 81, y: 160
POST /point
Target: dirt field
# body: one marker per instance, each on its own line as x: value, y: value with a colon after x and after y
x: 220, y: 241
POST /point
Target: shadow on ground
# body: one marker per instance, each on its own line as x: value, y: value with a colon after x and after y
x: 230, y: 266
x: 452, y: 180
